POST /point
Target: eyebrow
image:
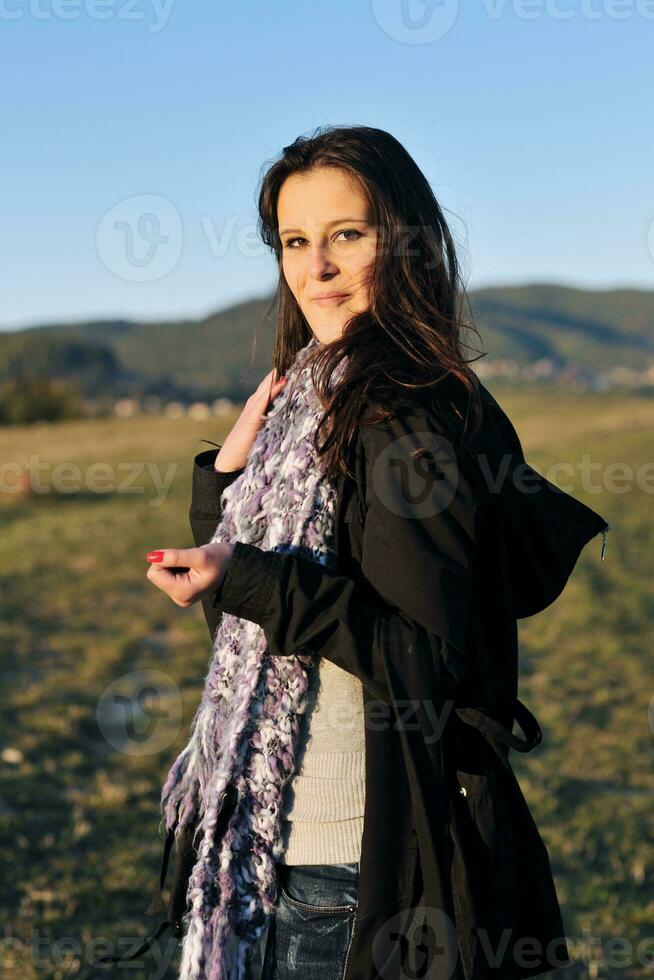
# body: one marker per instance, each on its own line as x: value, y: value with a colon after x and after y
x: 338, y: 221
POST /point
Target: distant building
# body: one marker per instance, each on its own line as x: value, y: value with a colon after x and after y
x: 174, y: 410
x: 198, y: 410
x: 126, y: 407
x: 222, y: 406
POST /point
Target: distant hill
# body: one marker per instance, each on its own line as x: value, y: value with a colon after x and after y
x: 205, y: 358
x: 209, y: 358
x: 594, y: 328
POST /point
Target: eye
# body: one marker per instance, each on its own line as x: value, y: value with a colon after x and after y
x: 350, y: 231
x: 346, y: 231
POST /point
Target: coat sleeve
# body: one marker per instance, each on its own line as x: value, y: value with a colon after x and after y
x: 205, y: 512
x: 404, y: 622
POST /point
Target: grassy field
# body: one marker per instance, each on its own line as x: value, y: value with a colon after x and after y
x: 80, y: 840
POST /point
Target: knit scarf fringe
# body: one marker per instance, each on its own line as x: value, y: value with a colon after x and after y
x: 247, y: 725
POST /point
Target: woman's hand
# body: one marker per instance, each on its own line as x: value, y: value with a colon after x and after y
x: 189, y: 574
x: 234, y: 451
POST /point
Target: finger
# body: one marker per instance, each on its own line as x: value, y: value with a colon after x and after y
x: 175, y: 557
x: 176, y: 585
x: 267, y: 394
x: 267, y: 379
x: 277, y: 387
x: 271, y: 380
x: 164, y: 578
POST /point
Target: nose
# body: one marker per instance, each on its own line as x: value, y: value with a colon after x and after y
x: 320, y: 263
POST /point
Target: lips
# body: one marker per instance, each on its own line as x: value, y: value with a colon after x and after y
x: 330, y: 298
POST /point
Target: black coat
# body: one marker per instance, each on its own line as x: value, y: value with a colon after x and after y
x: 436, y: 564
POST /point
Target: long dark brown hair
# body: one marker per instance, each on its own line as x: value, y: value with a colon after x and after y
x: 409, y: 340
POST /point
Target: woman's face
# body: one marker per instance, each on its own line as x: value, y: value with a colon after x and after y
x: 328, y: 246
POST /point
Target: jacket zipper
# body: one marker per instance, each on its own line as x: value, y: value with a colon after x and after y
x: 603, y: 533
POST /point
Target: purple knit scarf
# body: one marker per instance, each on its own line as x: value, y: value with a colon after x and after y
x: 247, y: 725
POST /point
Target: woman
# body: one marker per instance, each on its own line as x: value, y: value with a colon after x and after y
x: 378, y: 517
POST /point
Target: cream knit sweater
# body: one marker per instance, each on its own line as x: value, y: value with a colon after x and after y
x: 323, y: 802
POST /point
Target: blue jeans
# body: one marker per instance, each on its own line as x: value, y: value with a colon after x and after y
x: 310, y: 933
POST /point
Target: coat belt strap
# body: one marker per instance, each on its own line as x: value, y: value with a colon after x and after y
x: 492, y: 728
x: 156, y: 905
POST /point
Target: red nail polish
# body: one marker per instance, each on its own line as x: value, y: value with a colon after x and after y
x: 155, y: 556
x: 283, y: 377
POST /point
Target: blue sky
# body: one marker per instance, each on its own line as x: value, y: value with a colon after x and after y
x: 530, y: 119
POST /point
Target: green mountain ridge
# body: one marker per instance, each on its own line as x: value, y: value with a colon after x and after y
x: 590, y: 330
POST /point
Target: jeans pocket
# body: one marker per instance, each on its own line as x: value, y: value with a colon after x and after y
x: 311, y: 931
x: 318, y: 892
x: 315, y: 909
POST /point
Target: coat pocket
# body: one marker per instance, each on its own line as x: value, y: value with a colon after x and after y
x: 484, y: 871
x: 478, y: 791
x: 475, y: 870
